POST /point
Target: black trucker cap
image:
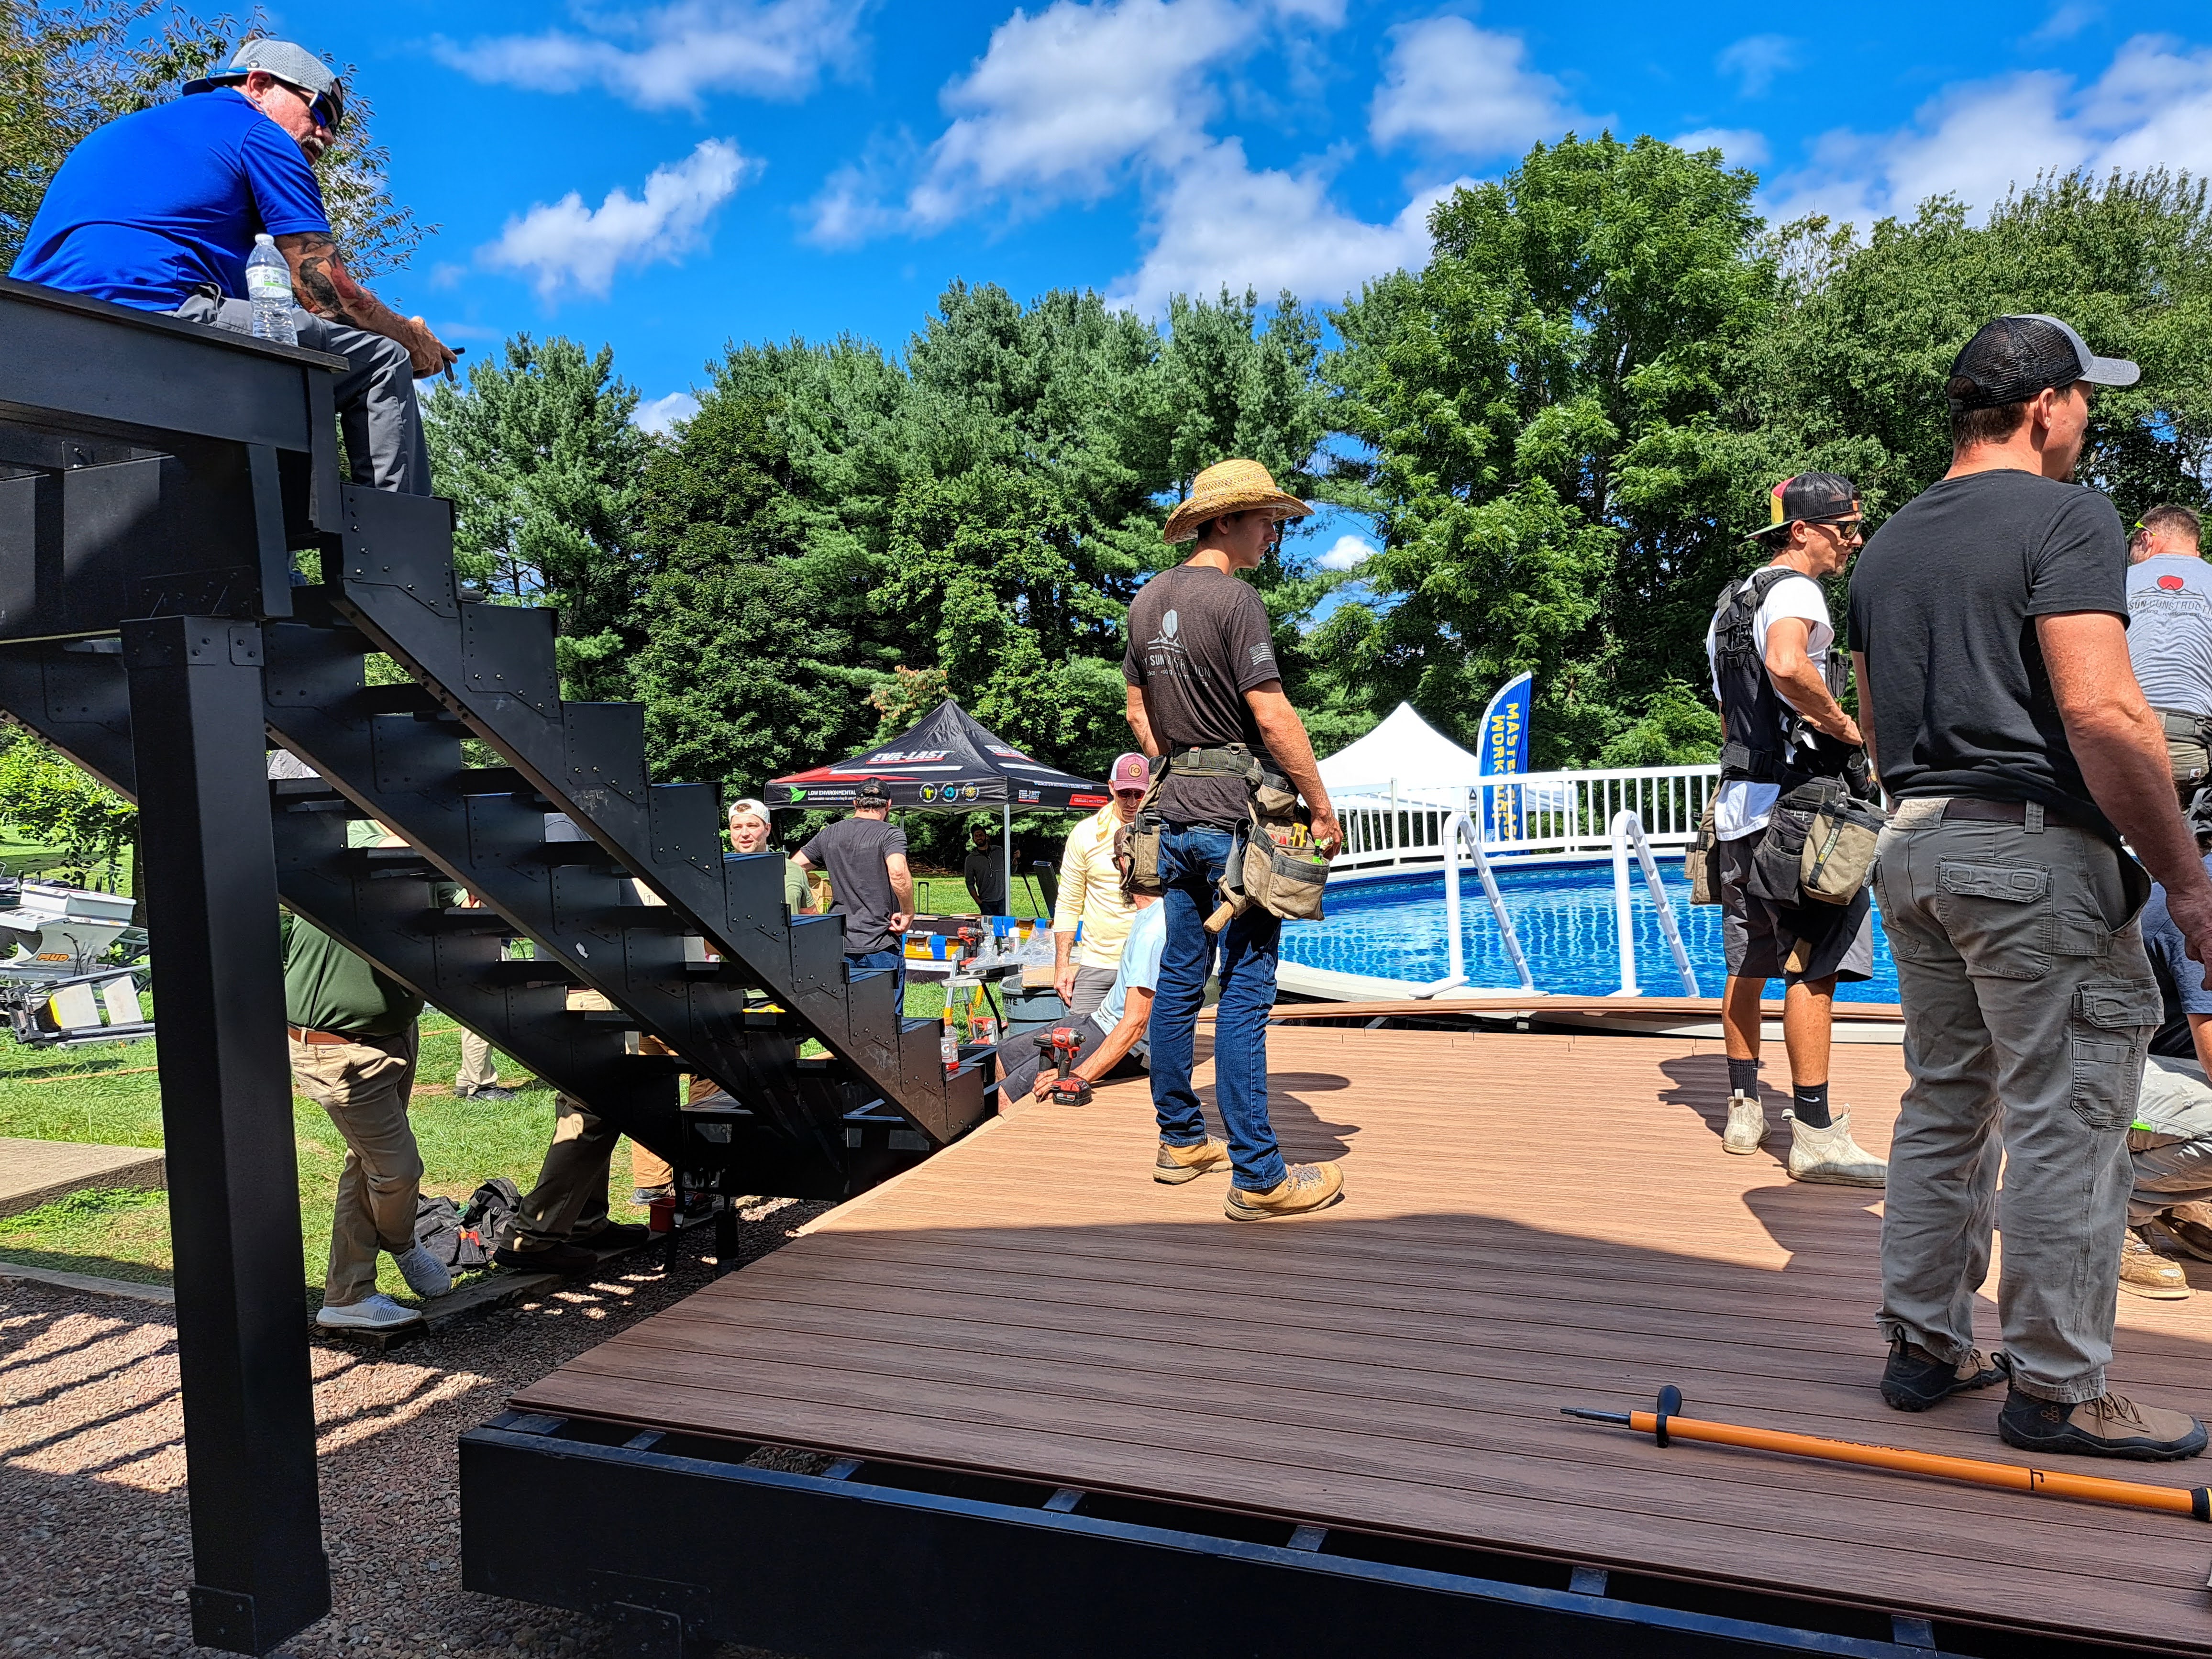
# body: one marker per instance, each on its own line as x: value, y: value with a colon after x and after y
x: 872, y: 793
x: 2013, y: 358
x: 1810, y: 497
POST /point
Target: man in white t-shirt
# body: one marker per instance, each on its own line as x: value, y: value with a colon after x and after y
x: 1776, y: 675
x: 1112, y: 1034
x: 2170, y: 636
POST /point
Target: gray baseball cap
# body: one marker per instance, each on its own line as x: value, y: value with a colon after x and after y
x: 294, y: 65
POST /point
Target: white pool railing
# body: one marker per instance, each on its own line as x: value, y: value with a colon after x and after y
x: 1459, y: 833
x: 1398, y: 823
x: 1627, y: 831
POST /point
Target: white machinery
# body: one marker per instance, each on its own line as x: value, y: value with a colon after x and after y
x: 78, y: 964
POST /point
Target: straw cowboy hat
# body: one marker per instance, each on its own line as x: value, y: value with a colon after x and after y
x: 1229, y: 487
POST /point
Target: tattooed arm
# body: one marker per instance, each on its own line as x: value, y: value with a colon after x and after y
x: 321, y: 282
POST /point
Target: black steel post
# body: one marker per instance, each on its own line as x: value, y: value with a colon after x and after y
x: 210, y: 884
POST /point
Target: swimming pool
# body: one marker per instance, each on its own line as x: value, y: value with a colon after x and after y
x: 1393, y: 927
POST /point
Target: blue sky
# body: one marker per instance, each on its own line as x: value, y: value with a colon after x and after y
x: 673, y: 177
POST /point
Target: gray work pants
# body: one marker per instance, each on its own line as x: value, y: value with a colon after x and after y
x: 377, y: 408
x: 2028, y: 1008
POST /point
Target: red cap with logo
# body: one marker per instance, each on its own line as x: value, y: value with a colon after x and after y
x: 1131, y: 772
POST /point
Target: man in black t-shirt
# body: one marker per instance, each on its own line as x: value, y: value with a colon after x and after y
x: 866, y: 857
x: 1988, y: 628
x: 1205, y: 692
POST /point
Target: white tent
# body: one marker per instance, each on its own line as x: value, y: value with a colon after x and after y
x: 1405, y: 751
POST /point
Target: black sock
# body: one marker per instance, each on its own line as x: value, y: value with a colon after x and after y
x: 1811, y: 1105
x: 1743, y: 1077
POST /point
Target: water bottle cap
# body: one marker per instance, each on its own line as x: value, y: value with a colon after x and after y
x: 265, y: 237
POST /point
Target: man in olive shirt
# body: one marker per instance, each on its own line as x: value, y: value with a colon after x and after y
x: 353, y: 1042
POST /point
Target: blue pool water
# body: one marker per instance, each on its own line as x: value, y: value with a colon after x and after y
x: 1393, y: 927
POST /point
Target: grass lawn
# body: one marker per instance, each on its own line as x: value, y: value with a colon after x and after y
x: 111, y: 1096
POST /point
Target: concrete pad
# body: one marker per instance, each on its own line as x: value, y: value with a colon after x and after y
x: 36, y: 1172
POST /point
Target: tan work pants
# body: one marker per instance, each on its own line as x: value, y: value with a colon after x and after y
x: 365, y: 1086
x: 477, y: 1071
x: 569, y: 1202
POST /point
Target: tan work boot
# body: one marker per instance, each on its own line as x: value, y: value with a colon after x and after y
x: 1176, y: 1164
x: 2110, y: 1426
x: 1303, y: 1188
x: 2146, y: 1272
x: 1830, y: 1156
x: 1746, y: 1125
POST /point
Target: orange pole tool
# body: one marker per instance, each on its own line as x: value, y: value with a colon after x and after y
x: 1664, y: 1426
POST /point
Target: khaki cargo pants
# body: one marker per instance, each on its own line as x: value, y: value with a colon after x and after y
x: 365, y: 1087
x: 2028, y: 1006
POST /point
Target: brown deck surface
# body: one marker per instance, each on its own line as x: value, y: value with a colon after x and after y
x: 1531, y: 1221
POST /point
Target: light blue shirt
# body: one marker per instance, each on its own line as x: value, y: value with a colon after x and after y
x: 1140, y: 967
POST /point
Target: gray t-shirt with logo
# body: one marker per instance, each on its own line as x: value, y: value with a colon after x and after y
x: 1199, y: 641
x: 2170, y: 631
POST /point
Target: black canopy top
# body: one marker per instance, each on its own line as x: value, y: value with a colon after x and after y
x: 948, y: 762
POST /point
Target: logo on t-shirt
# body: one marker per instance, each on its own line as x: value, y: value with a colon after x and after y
x: 2172, y: 584
x: 1170, y: 625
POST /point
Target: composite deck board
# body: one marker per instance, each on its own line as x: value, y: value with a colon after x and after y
x: 1532, y: 1221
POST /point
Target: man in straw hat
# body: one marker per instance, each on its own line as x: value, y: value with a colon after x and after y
x: 1206, y: 696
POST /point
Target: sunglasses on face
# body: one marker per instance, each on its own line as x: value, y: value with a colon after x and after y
x: 326, y: 111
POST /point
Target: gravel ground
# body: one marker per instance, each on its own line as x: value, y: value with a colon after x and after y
x: 92, y: 1471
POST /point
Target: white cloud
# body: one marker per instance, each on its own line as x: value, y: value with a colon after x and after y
x: 660, y: 414
x: 1756, y: 60
x: 565, y: 244
x: 2151, y: 108
x: 1741, y: 146
x: 1453, y: 87
x: 667, y: 56
x: 2068, y: 21
x: 1348, y: 553
x: 1219, y: 222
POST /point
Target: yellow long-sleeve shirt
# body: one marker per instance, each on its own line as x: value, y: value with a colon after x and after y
x: 1090, y: 893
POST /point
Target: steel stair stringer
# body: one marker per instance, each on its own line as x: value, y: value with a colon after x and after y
x: 493, y: 666
x: 75, y: 696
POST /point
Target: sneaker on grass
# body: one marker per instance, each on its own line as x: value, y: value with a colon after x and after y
x: 490, y: 1093
x: 425, y: 1274
x: 374, y: 1312
x: 2111, y: 1425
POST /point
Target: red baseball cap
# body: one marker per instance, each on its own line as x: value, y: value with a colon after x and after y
x: 1131, y: 772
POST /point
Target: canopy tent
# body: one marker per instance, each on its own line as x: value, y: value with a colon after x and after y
x: 1407, y: 751
x: 947, y: 762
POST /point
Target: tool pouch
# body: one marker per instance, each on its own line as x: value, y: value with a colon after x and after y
x: 1838, y: 859
x: 1781, y: 847
x: 2188, y: 745
x: 1285, y: 881
x: 1697, y: 862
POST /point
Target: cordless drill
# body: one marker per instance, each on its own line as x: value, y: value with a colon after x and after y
x: 1058, y: 1048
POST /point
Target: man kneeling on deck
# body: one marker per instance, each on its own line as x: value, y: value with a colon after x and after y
x: 2170, y: 1157
x: 1114, y: 1032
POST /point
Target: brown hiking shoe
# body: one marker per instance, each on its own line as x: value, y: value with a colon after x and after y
x: 2146, y: 1272
x: 1176, y: 1164
x: 1303, y: 1188
x: 2190, y: 1226
x: 1916, y: 1379
x: 2110, y: 1426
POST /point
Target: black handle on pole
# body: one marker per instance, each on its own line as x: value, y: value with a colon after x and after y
x: 1670, y: 1401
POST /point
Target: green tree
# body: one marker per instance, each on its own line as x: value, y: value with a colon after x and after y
x: 1543, y: 406
x: 545, y: 470
x: 48, y: 799
x: 67, y: 70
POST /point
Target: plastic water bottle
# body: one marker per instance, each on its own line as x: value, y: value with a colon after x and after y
x: 269, y: 290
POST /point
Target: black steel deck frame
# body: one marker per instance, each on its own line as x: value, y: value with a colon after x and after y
x: 884, y: 1560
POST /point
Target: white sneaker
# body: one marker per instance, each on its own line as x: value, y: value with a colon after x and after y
x: 374, y: 1312
x: 425, y: 1274
x: 1746, y: 1125
x: 1830, y: 1156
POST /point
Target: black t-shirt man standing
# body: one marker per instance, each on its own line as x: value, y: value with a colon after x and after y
x: 1988, y: 628
x: 870, y: 881
x: 1202, y: 679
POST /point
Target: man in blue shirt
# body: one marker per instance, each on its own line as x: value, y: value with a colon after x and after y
x: 158, y: 211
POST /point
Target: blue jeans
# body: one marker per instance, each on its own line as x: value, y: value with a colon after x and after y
x: 1192, y: 858
x: 867, y: 962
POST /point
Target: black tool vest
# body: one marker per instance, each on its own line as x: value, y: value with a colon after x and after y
x: 1753, y: 716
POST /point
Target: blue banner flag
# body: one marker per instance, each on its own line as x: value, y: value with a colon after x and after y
x: 1503, y: 749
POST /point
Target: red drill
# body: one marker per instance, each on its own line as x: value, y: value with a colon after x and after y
x: 1059, y: 1049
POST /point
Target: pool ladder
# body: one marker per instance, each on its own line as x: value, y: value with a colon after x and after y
x: 1459, y: 829
x: 1628, y: 832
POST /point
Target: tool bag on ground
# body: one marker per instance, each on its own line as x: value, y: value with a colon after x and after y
x: 1697, y: 861
x: 465, y: 1237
